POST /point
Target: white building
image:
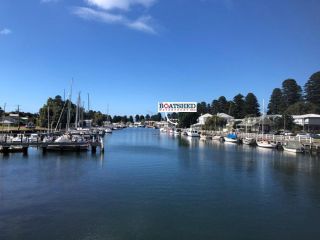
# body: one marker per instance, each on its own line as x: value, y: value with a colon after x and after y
x: 203, y: 118
x: 308, y: 121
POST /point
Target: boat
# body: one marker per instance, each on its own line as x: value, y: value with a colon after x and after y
x: 216, y: 138
x: 108, y: 130
x: 33, y: 138
x: 294, y: 147
x: 67, y: 142
x: 204, y: 137
x: 177, y: 132
x: 248, y: 141
x: 192, y: 133
x: 231, y: 138
x: 20, y: 138
x: 266, y: 144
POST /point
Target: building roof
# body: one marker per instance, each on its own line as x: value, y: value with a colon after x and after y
x: 311, y: 115
x: 224, y: 115
x: 205, y: 115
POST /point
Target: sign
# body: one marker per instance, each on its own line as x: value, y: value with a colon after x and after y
x: 177, y: 107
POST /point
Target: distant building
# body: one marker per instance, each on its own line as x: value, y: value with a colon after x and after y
x: 307, y: 121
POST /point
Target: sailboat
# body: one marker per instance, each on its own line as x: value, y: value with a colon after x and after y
x: 263, y: 143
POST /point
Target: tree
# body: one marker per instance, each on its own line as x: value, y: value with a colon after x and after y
x: 312, y: 89
x: 251, y: 105
x: 291, y: 92
x: 238, y: 109
x: 202, y: 108
x: 284, y: 122
x: 223, y: 104
x: 215, y: 107
x: 276, y: 104
x: 131, y: 119
x: 147, y: 117
x: 214, y: 123
x: 137, y: 118
x: 187, y: 119
x: 301, y: 108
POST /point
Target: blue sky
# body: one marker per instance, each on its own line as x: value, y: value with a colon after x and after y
x: 130, y: 54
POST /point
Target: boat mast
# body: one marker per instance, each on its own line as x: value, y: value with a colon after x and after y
x: 69, y: 108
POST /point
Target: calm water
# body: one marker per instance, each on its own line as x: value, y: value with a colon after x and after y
x: 149, y: 185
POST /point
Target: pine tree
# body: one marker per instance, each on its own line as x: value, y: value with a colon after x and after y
x: 276, y: 103
x: 312, y: 89
x: 291, y: 92
x: 223, y: 104
x: 238, y: 110
x: 251, y: 105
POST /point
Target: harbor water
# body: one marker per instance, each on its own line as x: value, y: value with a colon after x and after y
x: 149, y: 185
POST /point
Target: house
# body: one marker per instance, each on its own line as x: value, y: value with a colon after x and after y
x: 307, y: 121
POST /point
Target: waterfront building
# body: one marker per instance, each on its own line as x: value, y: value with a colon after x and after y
x: 309, y: 122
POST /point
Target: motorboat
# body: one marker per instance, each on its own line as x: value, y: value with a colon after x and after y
x: 266, y: 144
x: 248, y: 141
x: 192, y: 133
x: 216, y: 137
x: 108, y: 130
x: 20, y: 138
x: 33, y: 138
x: 177, y: 132
x: 231, y: 138
x: 294, y: 147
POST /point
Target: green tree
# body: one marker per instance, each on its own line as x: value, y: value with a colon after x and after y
x: 223, y: 105
x: 214, y: 123
x: 187, y: 119
x: 215, y: 107
x: 284, y: 122
x: 238, y: 109
x: 202, y: 108
x: 276, y: 104
x: 301, y: 108
x: 291, y: 92
x: 137, y: 118
x: 312, y: 89
x: 147, y: 117
x: 251, y: 105
x: 131, y: 119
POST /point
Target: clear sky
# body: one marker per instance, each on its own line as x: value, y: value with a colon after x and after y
x: 130, y: 54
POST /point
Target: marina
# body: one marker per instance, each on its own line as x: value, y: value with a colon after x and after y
x: 147, y: 182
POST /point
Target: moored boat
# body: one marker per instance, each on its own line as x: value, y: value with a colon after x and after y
x: 192, y: 133
x: 248, y: 141
x: 266, y: 144
x: 231, y: 138
x: 294, y: 147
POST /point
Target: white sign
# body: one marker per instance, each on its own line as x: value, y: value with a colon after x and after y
x: 177, y: 107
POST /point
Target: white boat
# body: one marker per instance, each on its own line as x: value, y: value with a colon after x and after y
x: 163, y: 130
x: 248, y: 141
x: 68, y: 143
x: 205, y: 137
x: 294, y: 147
x: 20, y: 138
x: 177, y: 132
x: 33, y: 138
x: 192, y: 133
x: 216, y: 138
x: 108, y: 130
x: 266, y: 144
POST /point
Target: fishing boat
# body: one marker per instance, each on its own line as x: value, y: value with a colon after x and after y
x: 294, y: 147
x: 231, y: 138
x: 266, y: 144
x: 192, y: 133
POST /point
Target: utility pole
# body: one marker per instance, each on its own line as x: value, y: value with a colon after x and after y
x: 88, y: 103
